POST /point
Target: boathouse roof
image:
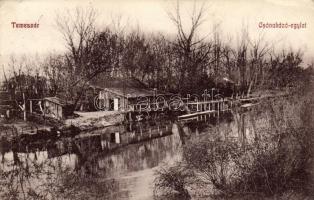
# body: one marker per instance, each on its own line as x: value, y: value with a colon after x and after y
x: 129, y: 87
x: 131, y: 92
x: 113, y: 82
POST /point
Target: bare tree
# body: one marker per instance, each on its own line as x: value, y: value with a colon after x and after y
x: 84, y: 42
x: 186, y: 40
x: 77, y: 29
x: 190, y: 47
x: 24, y: 82
x: 258, y: 50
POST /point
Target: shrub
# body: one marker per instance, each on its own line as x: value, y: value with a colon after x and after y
x: 272, y: 169
x: 275, y: 163
x: 212, y: 161
x: 173, y: 179
x: 262, y: 169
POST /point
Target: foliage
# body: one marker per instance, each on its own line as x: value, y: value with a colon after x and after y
x: 183, y: 63
x: 273, y: 164
x: 173, y: 179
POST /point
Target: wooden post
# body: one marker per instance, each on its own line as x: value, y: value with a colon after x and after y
x: 141, y: 130
x: 30, y: 106
x: 218, y: 110
x: 130, y: 116
x: 23, y: 107
x: 7, y: 113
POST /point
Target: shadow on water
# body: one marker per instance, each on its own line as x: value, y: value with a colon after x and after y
x: 126, y: 153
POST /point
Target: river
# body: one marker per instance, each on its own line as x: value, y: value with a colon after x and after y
x: 129, y: 154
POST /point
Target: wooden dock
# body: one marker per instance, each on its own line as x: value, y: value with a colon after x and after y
x: 213, y: 105
x: 195, y: 109
x: 204, y: 109
x: 182, y: 105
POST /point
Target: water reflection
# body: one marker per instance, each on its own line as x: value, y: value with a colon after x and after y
x: 129, y: 153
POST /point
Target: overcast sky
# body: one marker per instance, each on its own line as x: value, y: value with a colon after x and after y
x: 151, y: 16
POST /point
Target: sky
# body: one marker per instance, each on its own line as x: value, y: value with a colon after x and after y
x: 151, y: 16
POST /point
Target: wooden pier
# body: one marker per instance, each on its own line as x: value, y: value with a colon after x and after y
x: 181, y: 105
x: 194, y: 109
x: 196, y: 114
x: 212, y: 105
x: 203, y: 110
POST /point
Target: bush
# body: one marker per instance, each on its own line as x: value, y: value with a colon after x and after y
x: 212, y: 161
x: 227, y: 169
x: 173, y: 179
x: 272, y: 169
x: 275, y: 163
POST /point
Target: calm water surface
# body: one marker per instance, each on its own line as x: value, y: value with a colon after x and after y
x: 131, y: 153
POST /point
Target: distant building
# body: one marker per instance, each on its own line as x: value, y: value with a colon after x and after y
x: 56, y: 108
x: 120, y: 94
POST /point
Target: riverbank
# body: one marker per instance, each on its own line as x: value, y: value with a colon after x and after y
x: 87, y: 121
x: 84, y: 121
x: 94, y: 120
x: 133, y: 166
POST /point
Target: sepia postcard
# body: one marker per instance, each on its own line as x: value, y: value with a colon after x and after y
x: 157, y: 99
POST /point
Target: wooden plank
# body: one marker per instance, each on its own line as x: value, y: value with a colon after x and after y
x: 189, y: 119
x: 197, y: 113
x: 207, y: 102
x: 247, y: 105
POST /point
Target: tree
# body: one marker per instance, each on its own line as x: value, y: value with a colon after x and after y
x: 191, y: 50
x: 258, y: 51
x: 87, y: 55
x: 24, y: 83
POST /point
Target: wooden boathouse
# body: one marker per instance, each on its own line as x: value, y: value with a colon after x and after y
x: 120, y: 94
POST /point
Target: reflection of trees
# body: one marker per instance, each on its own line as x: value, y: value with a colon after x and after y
x: 87, y: 151
x: 140, y: 156
x: 52, y: 177
x: 26, y: 177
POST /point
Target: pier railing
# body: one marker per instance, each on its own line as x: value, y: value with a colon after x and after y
x: 190, y: 104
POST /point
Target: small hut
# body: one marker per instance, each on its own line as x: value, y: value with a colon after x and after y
x: 56, y: 107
